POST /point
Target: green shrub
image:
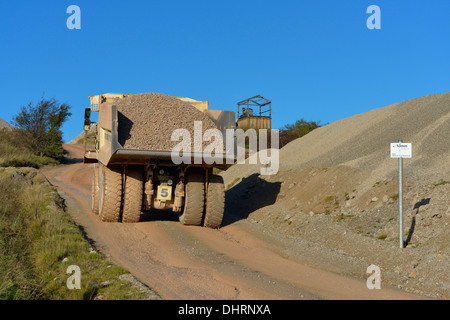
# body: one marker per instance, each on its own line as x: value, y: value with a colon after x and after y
x: 15, y: 153
x: 39, y: 127
x: 297, y: 130
x: 441, y: 183
x: 382, y: 236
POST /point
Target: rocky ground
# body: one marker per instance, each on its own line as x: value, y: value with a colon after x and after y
x: 335, y: 197
x: 343, y: 237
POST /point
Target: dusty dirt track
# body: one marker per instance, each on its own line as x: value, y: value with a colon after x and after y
x: 239, y: 261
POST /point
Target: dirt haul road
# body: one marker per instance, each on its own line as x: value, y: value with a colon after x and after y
x: 239, y: 261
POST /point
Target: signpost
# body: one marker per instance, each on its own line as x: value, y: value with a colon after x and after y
x: 400, y: 150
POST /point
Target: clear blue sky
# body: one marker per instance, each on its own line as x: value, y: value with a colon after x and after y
x: 314, y: 59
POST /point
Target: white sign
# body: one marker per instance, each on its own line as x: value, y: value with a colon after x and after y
x: 401, y: 150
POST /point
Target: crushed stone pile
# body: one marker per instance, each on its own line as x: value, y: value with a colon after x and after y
x: 363, y: 142
x: 146, y: 121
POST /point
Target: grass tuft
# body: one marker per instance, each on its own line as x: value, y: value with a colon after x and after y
x: 39, y: 241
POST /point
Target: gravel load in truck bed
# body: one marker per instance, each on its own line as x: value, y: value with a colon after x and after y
x: 146, y: 121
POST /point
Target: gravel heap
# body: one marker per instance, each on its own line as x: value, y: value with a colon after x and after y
x: 146, y: 121
x: 363, y: 141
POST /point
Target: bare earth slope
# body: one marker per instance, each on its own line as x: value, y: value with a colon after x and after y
x: 309, y: 232
x: 362, y: 141
x: 239, y: 261
x: 4, y: 124
x: 337, y: 191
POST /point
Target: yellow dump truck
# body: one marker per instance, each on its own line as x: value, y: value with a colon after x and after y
x: 129, y: 182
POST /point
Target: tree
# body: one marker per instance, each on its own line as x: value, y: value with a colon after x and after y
x: 297, y: 130
x: 40, y: 126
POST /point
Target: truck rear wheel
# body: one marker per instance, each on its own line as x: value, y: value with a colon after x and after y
x: 215, y: 202
x: 133, y: 192
x: 194, y: 198
x: 110, y: 193
x: 95, y: 190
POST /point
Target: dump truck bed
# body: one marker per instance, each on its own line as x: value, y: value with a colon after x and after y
x: 110, y: 151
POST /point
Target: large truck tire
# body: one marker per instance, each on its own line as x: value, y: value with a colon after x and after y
x: 194, y: 198
x: 110, y: 193
x: 133, y: 193
x: 95, y: 190
x: 215, y: 202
